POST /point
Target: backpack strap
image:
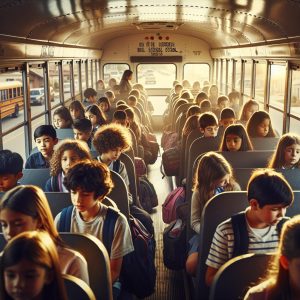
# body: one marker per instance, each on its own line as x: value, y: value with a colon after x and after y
x: 109, y: 228
x: 54, y: 184
x: 240, y: 232
x: 116, y: 166
x: 280, y: 224
x: 65, y: 219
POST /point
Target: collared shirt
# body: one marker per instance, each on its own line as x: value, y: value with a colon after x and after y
x: 36, y: 161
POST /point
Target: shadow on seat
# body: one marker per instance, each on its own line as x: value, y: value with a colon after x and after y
x: 36, y: 177
x: 77, y: 289
x: 235, y: 277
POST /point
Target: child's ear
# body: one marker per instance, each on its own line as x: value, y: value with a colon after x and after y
x: 284, y: 262
x: 55, y: 141
x: 19, y: 175
x: 253, y: 204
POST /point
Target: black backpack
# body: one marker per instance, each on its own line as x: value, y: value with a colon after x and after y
x: 148, y: 197
x: 240, y: 232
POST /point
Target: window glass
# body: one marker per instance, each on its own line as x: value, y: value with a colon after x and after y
x: 114, y: 71
x: 196, y: 72
x: 277, y: 120
x: 229, y: 78
x: 277, y: 84
x: 260, y: 79
x: 295, y: 93
x: 294, y: 125
x: 66, y: 81
x: 15, y: 141
x: 76, y: 80
x: 156, y: 75
x: 35, y: 124
x: 83, y: 75
x: 247, y: 79
x: 54, y: 83
x: 238, y: 69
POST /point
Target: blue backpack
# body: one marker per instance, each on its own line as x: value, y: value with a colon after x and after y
x: 138, y: 272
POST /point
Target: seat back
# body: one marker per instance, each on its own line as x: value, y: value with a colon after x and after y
x: 97, y: 259
x: 64, y: 133
x: 234, y: 272
x: 77, y: 289
x: 264, y: 143
x: 36, y: 177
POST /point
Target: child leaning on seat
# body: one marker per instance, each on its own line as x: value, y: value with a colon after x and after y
x: 269, y: 195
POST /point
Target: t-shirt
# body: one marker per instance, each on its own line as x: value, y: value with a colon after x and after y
x: 122, y: 241
x: 36, y: 161
x: 260, y: 241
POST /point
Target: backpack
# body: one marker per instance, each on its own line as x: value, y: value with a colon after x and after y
x: 171, y: 161
x: 148, y: 196
x: 138, y: 273
x: 240, y: 232
x: 140, y: 167
x: 169, y: 139
x: 173, y: 200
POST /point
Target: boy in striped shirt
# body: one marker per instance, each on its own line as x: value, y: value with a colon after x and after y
x: 269, y: 195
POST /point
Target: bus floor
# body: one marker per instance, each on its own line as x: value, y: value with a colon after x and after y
x: 169, y: 284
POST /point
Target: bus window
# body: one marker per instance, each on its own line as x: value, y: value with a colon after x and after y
x: 156, y: 75
x: 277, y: 85
x: 229, y: 76
x: 295, y: 94
x: 83, y: 75
x: 67, y: 81
x: 247, y: 79
x: 196, y: 72
x: 238, y: 71
x: 54, y: 83
x: 113, y: 71
x: 260, y: 79
x: 76, y: 80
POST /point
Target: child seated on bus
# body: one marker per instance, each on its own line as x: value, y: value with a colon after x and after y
x: 112, y: 99
x: 132, y: 101
x: 208, y: 124
x: 269, y: 195
x: 82, y: 129
x: 95, y: 115
x: 62, y: 118
x: 213, y: 94
x: 76, y: 110
x: 287, y: 153
x: 26, y: 208
x: 11, y: 165
x: 200, y: 97
x: 30, y: 269
x: 248, y: 109
x: 67, y: 154
x: 110, y: 141
x: 213, y: 176
x: 205, y: 106
x: 227, y: 117
x: 45, y: 140
x: 104, y: 105
x: 89, y: 183
x: 90, y: 97
x: 120, y: 118
x: 222, y: 103
x: 260, y: 125
x: 190, y: 124
x: 282, y: 280
x: 235, y: 138
x: 234, y: 99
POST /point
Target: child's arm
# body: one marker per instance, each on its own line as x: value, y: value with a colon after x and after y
x: 209, y: 275
x: 115, y: 268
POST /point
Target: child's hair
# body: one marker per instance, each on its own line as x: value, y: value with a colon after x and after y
x: 110, y: 137
x: 246, y: 107
x: 31, y: 201
x: 95, y: 110
x: 187, y: 96
x: 277, y: 161
x: 104, y: 100
x: 39, y: 249
x: 196, y: 85
x: 44, y: 130
x: 120, y: 115
x: 205, y: 105
x: 208, y: 119
x: 191, y: 123
x: 126, y: 74
x: 89, y: 92
x: 221, y: 99
x: 120, y: 102
x: 136, y: 93
x: 212, y: 88
x: 211, y: 167
x: 91, y: 176
x: 186, y: 84
x: 109, y: 94
x: 227, y: 113
x: 233, y: 95
x: 100, y: 82
x: 269, y: 187
x: 80, y: 147
x: 193, y: 110
x: 200, y: 97
x: 132, y: 98
x: 84, y: 125
x: 240, y: 131
x: 257, y: 118
x: 64, y: 113
x: 112, y: 82
x: 10, y: 162
x: 289, y: 246
x: 77, y: 105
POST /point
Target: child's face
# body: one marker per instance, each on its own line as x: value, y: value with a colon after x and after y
x: 263, y: 128
x: 210, y: 131
x: 233, y: 142
x: 59, y: 122
x: 14, y: 223
x: 223, y: 104
x: 9, y: 181
x: 45, y: 145
x: 68, y: 159
x: 250, y: 111
x: 103, y: 106
x: 84, y: 201
x: 291, y: 155
x: 92, y: 118
x: 92, y: 99
x: 222, y: 182
x: 81, y: 135
x: 112, y: 155
x: 267, y: 215
x: 25, y: 280
x: 226, y: 122
x: 75, y: 113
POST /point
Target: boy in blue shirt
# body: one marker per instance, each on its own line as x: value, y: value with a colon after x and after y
x: 45, y: 140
